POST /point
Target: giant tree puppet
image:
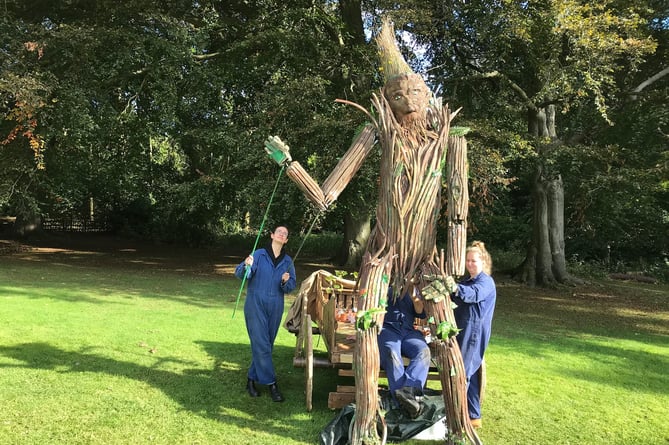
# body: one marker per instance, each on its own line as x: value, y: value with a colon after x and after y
x: 412, y: 127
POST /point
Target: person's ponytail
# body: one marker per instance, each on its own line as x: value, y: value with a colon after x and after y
x: 479, y: 246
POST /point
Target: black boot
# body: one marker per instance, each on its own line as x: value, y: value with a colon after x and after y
x: 251, y: 388
x: 275, y: 393
x: 407, y: 400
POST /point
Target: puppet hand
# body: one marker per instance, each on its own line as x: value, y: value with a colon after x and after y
x: 451, y: 285
x: 277, y: 150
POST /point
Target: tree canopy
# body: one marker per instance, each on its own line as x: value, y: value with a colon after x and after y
x: 152, y: 115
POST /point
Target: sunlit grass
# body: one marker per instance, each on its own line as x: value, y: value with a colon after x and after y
x: 92, y: 353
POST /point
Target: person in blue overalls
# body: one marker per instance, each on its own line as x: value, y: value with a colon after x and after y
x: 475, y: 297
x: 271, y: 274
x: 398, y: 338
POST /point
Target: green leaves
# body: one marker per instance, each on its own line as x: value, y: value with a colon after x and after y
x: 446, y: 330
x: 164, y: 107
x: 366, y: 319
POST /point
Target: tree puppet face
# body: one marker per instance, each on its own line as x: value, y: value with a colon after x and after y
x: 408, y: 97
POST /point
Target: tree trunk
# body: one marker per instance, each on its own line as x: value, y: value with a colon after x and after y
x: 545, y: 262
x: 357, y: 221
x: 351, y: 15
x: 27, y: 225
x: 357, y: 226
x: 555, y: 199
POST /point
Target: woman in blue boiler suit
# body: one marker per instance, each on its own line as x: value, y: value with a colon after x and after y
x: 270, y: 274
x: 475, y: 297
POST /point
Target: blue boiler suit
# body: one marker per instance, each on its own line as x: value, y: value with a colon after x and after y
x: 263, y: 309
x: 398, y: 338
x: 476, y: 299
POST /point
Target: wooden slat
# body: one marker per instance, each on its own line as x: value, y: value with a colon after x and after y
x: 307, y: 184
x: 345, y: 389
x: 339, y: 400
x: 458, y: 204
x: 328, y: 325
x: 432, y: 375
x: 342, y: 357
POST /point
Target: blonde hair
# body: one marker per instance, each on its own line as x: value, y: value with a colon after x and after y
x: 479, y: 247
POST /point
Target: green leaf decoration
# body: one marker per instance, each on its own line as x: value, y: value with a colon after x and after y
x: 398, y: 169
x: 446, y: 330
x: 365, y: 319
x: 458, y: 131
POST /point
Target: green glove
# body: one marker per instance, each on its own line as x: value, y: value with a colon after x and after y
x: 277, y: 150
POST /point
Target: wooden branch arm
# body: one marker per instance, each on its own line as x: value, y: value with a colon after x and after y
x: 346, y: 168
x: 348, y: 165
x: 307, y: 184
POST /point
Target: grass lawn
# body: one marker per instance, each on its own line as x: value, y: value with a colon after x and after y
x: 125, y: 345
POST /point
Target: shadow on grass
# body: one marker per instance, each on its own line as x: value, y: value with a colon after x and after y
x: 635, y: 370
x: 217, y: 393
x: 74, y: 276
x: 614, y: 339
x: 585, y: 310
x: 96, y: 250
x: 93, y: 285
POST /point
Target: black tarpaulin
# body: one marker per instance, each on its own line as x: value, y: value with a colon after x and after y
x: 400, y: 426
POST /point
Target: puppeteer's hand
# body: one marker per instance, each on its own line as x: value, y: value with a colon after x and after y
x: 451, y: 285
x: 249, y: 260
x: 285, y: 277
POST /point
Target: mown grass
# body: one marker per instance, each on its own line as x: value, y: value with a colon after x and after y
x: 120, y: 348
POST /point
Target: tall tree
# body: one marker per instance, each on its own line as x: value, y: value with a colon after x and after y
x: 137, y: 116
x: 289, y: 92
x: 541, y: 59
x: 616, y: 175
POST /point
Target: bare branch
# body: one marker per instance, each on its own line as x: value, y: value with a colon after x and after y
x: 206, y: 56
x: 651, y: 80
x: 514, y: 86
x: 659, y: 130
x: 648, y: 82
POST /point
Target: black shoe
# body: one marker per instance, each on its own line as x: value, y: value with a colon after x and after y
x: 407, y: 400
x: 251, y: 388
x: 275, y: 393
